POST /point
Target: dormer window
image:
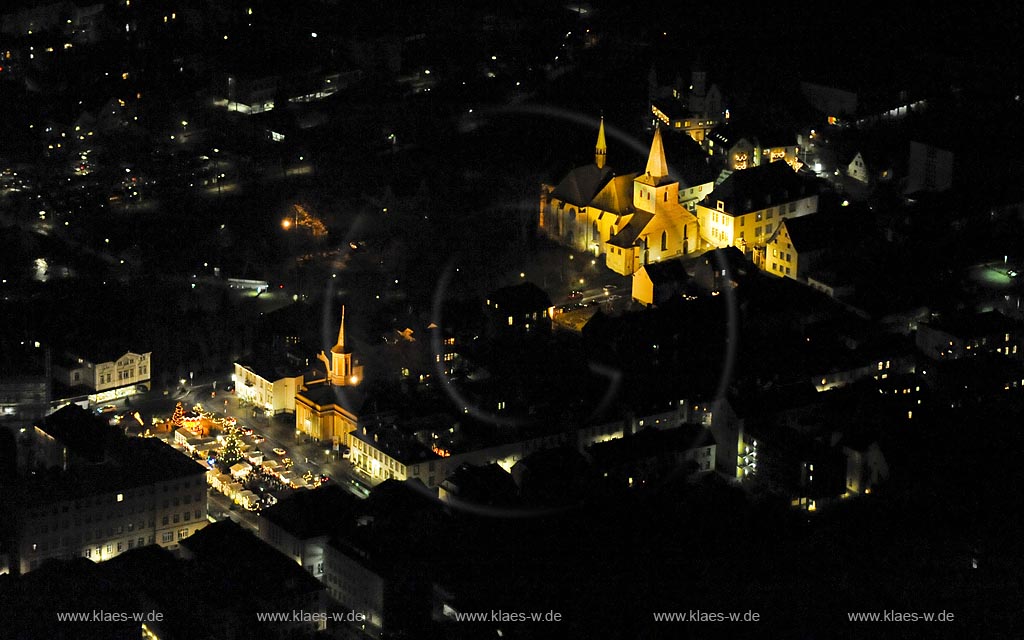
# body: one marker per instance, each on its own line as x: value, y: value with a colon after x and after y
x: 720, y: 206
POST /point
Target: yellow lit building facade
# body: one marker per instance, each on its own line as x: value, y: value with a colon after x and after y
x: 738, y: 152
x: 581, y: 210
x: 327, y: 409
x: 660, y: 227
x: 109, y: 380
x: 747, y: 208
x: 633, y: 219
x: 781, y: 258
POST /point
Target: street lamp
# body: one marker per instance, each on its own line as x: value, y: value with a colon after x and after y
x: 292, y: 221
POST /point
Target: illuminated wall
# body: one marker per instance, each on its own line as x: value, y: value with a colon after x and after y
x: 356, y: 587
x: 103, y: 525
x: 275, y: 396
x: 643, y: 287
x: 781, y: 259
x: 327, y: 423
x: 857, y: 169
x: 722, y: 228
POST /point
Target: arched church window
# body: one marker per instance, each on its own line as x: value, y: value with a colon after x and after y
x: 664, y: 241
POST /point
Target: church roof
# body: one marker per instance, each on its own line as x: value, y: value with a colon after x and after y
x: 627, y: 236
x: 656, y: 173
x: 616, y: 196
x: 583, y: 183
x: 657, y: 165
x: 347, y: 398
x: 655, y: 181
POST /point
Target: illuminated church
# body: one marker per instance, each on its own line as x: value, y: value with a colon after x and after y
x: 327, y: 409
x: 633, y: 219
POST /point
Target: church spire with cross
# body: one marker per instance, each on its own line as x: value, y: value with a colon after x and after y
x: 340, y: 368
x: 601, y: 150
x: 657, y: 165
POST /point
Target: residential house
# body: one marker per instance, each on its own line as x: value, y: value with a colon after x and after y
x: 271, y: 389
x: 745, y: 210
x: 657, y: 282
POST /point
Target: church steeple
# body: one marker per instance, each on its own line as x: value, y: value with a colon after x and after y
x: 657, y: 166
x: 340, y: 346
x: 341, y: 370
x: 601, y: 150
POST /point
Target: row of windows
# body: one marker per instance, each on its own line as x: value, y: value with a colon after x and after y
x: 186, y: 499
x: 788, y: 257
x: 168, y: 536
x: 186, y: 516
x: 89, y: 552
x: 778, y: 267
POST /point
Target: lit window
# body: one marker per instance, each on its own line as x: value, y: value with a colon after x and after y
x: 120, y: 497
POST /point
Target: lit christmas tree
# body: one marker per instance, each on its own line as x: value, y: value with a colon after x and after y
x: 178, y: 419
x: 231, y: 452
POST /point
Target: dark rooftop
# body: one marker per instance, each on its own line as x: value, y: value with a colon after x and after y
x: 668, y: 271
x: 309, y: 514
x: 651, y: 442
x: 350, y: 399
x: 978, y: 324
x: 226, y: 546
x: 813, y: 232
x: 582, y: 184
x: 759, y: 187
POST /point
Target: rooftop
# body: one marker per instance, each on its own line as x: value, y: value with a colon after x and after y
x: 225, y: 547
x: 309, y: 514
x: 978, y: 324
x: 759, y: 187
x: 651, y: 442
x: 583, y: 183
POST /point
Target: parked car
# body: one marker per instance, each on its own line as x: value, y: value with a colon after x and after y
x: 257, y: 438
